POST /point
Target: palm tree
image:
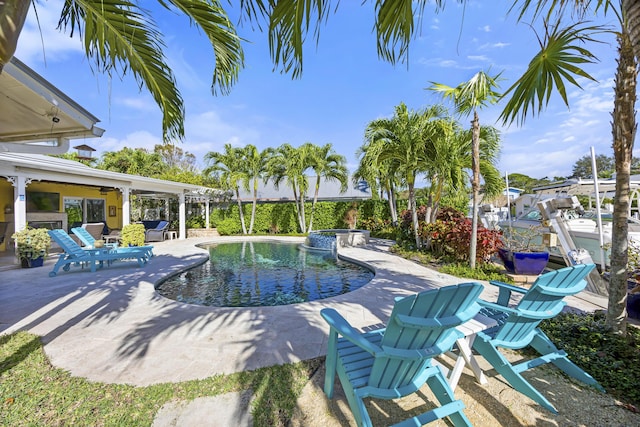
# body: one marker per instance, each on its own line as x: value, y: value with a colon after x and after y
x: 327, y: 165
x: 121, y: 37
x: 467, y: 98
x: 380, y: 176
x: 255, y: 167
x: 288, y: 163
x: 401, y: 141
x: 229, y: 167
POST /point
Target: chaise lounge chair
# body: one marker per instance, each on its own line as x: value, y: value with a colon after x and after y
x: 397, y: 361
x: 156, y: 234
x: 74, y: 254
x: 518, y: 328
x: 88, y: 240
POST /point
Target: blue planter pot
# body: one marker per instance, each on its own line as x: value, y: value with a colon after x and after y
x: 29, y: 263
x: 524, y: 263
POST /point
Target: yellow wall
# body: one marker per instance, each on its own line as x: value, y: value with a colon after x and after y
x: 112, y: 198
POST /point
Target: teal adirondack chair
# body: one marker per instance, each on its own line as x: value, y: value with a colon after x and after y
x: 518, y: 328
x: 397, y: 361
x: 95, y: 258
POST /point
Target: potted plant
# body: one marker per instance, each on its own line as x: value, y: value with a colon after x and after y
x: 132, y: 235
x: 521, y: 253
x: 32, y: 245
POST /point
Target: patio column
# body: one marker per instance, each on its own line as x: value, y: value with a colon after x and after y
x: 182, y: 217
x: 166, y: 209
x: 19, y: 201
x: 126, y: 206
x: 206, y: 214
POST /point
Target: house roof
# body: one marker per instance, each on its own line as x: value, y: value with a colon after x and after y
x: 47, y: 168
x: 36, y: 117
x: 329, y: 191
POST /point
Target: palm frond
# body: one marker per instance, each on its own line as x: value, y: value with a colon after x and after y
x: 120, y: 36
x: 557, y: 63
x: 211, y: 17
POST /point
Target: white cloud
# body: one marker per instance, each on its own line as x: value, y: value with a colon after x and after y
x: 40, y: 40
x: 486, y: 28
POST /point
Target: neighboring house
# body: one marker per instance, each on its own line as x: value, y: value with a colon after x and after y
x: 329, y: 191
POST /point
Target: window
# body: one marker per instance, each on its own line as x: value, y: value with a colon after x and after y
x: 84, y: 210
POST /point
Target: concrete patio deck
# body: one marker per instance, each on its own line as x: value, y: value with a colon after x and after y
x: 112, y: 326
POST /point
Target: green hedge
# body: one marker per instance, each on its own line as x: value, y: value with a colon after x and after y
x: 281, y: 217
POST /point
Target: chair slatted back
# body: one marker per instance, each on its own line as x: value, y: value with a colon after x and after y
x: 421, y: 322
x: 544, y: 300
x: 67, y: 244
x: 84, y: 236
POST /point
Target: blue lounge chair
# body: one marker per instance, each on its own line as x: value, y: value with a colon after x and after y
x: 518, y: 328
x: 95, y: 258
x: 397, y: 361
x: 88, y: 240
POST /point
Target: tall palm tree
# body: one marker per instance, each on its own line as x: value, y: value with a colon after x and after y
x: 401, y: 141
x: 255, y: 168
x: 327, y: 165
x: 467, y: 98
x: 121, y: 36
x: 288, y: 164
x: 229, y: 168
x: 561, y: 54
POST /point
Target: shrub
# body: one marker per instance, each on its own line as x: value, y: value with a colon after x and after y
x: 229, y: 226
x: 450, y: 235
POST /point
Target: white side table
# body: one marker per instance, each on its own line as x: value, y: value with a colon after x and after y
x: 465, y: 355
x: 170, y: 235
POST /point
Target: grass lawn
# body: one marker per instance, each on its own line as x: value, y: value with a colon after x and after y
x: 34, y: 393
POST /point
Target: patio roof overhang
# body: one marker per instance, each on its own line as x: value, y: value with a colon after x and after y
x: 36, y: 117
x: 46, y: 168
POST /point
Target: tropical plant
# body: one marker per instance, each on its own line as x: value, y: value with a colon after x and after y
x: 401, y: 142
x: 132, y: 235
x: 255, y: 169
x: 467, y: 98
x: 288, y: 163
x: 228, y: 167
x: 32, y: 243
x: 327, y: 165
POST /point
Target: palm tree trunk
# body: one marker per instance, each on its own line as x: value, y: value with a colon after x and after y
x: 298, y: 203
x: 414, y: 213
x: 313, y: 205
x: 253, y: 207
x: 631, y: 11
x: 12, y: 16
x: 393, y: 209
x: 624, y: 130
x: 475, y: 187
x: 244, y: 227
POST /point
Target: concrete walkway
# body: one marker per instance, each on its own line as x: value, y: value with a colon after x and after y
x: 111, y: 326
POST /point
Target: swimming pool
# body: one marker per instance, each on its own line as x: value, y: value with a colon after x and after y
x: 250, y: 274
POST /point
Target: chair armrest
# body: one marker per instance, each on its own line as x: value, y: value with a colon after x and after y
x: 341, y: 326
x: 505, y: 290
x: 497, y: 307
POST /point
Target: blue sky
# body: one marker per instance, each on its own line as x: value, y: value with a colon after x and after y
x: 344, y: 86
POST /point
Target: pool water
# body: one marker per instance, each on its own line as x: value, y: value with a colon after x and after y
x: 250, y: 274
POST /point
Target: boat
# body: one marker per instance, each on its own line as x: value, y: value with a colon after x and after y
x: 582, y: 227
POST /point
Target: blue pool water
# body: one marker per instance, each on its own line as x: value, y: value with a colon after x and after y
x: 249, y: 274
